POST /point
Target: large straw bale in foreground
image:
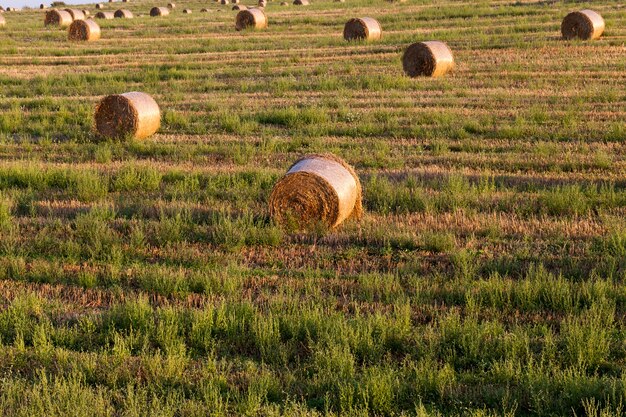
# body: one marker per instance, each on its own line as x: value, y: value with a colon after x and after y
x: 364, y: 28
x: 159, y: 11
x: 251, y: 19
x: 123, y: 14
x: 84, y: 30
x: 317, y: 189
x: 59, y: 18
x: 585, y: 24
x: 431, y: 59
x: 133, y: 114
x: 76, y: 14
x: 105, y: 15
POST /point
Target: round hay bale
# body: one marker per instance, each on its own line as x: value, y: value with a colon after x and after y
x: 317, y: 189
x: 99, y: 6
x: 12, y: 9
x: 125, y: 1
x: 251, y: 18
x: 234, y: 1
x: 224, y: 1
x: 59, y: 18
x: 365, y: 28
x: 42, y: 6
x: 431, y: 59
x: 123, y: 14
x: 585, y: 24
x: 240, y: 7
x: 284, y: 3
x: 3, y: 21
x: 159, y: 11
x: 171, y: 5
x: 204, y: 10
x: 105, y: 15
x: 301, y: 2
x: 133, y: 114
x: 76, y: 14
x: 86, y: 13
x: 84, y: 30
x: 187, y: 11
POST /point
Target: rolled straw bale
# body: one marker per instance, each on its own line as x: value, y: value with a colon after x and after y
x: 262, y: 3
x: 224, y: 1
x: 76, y: 14
x: 123, y: 14
x: 284, y: 3
x: 1, y: 9
x: 171, y: 5
x: 86, y: 13
x: 125, y: 1
x: 239, y: 7
x: 105, y: 15
x: 301, y: 2
x: 99, y: 6
x: 42, y: 6
x: 365, y: 28
x: 131, y: 114
x: 59, y: 18
x: 317, y: 189
x: 187, y: 11
x: 234, y: 1
x: 84, y: 30
x: 2, y: 20
x: 585, y: 24
x: 204, y: 10
x: 432, y: 59
x: 12, y: 9
x: 159, y: 11
x: 251, y: 18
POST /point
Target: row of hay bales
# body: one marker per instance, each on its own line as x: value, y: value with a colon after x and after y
x: 317, y: 189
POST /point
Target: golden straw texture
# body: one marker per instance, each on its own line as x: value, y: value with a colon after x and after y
x: 76, y: 14
x: 123, y: 14
x: 59, y: 18
x: 319, y: 188
x: 159, y: 11
x: 133, y: 114
x: 2, y: 20
x: 585, y: 24
x: 431, y: 59
x: 365, y: 28
x: 251, y: 18
x: 105, y: 15
x: 84, y: 30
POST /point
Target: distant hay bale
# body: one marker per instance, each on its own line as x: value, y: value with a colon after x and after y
x: 86, y: 13
x: 59, y: 18
x: 251, y: 19
x: 284, y: 3
x: 99, y: 6
x: 171, y: 5
x: 159, y: 11
x: 239, y: 7
x: 123, y: 14
x: 76, y: 14
x: 262, y: 3
x: 187, y: 11
x: 224, y: 1
x: 42, y: 6
x: 84, y: 30
x: 301, y: 2
x: 105, y: 15
x: 317, y: 189
x: 12, y: 9
x: 365, y: 28
x: 585, y: 24
x: 125, y: 1
x: 204, y: 10
x: 431, y: 59
x: 234, y: 1
x: 133, y: 114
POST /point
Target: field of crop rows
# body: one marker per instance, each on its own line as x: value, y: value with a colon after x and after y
x: 146, y: 278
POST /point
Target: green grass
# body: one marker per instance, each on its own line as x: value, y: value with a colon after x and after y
x: 146, y: 278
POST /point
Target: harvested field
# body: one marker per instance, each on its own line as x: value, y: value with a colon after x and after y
x: 485, y: 277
